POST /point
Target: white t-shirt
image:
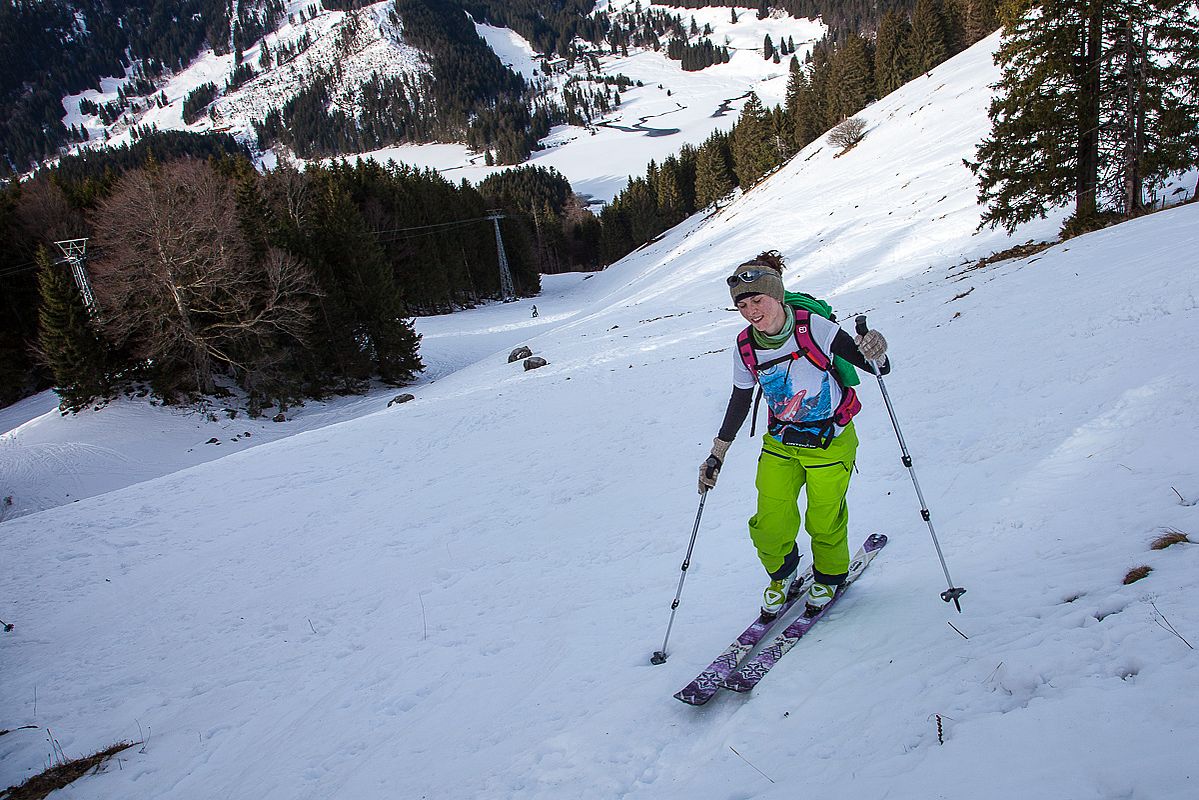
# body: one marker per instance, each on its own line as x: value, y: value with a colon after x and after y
x: 795, y: 390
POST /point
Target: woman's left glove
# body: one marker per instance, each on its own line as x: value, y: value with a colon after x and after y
x: 710, y: 469
x: 872, y: 346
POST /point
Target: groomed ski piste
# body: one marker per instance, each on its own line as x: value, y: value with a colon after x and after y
x: 458, y: 597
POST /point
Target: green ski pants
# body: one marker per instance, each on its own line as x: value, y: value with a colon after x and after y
x: 783, y: 470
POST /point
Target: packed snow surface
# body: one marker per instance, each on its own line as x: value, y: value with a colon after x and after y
x: 457, y: 597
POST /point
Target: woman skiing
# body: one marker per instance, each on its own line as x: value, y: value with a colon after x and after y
x: 810, y: 440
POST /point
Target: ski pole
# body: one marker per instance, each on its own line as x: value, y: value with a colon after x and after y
x: 953, y: 592
x: 660, y: 656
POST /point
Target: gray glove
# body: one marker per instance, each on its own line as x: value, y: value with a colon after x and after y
x: 872, y: 346
x: 710, y: 469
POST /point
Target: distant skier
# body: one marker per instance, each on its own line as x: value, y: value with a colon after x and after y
x: 534, y: 311
x: 810, y: 440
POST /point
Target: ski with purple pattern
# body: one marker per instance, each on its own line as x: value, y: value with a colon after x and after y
x: 749, y: 675
x: 705, y: 685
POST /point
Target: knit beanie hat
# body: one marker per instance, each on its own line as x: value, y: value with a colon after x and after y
x: 769, y: 282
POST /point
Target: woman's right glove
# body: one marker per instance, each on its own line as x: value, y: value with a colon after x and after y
x: 872, y: 346
x: 710, y: 469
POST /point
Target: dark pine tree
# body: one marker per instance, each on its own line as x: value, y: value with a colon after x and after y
x: 927, y: 44
x: 753, y: 152
x: 850, y: 84
x: 67, y: 342
x: 713, y: 176
x: 1043, y: 149
x: 808, y: 115
x: 980, y: 18
x: 890, y: 69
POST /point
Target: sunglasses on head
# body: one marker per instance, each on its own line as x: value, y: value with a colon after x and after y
x: 745, y: 276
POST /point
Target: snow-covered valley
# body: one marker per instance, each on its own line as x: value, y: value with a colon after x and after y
x: 597, y: 159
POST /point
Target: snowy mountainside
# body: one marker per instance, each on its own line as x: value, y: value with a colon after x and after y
x: 671, y: 107
x: 457, y: 597
x: 352, y: 45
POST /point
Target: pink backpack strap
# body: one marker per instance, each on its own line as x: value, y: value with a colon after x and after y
x: 850, y: 404
x: 745, y: 346
x: 806, y: 344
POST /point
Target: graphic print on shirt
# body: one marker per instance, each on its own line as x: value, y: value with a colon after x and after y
x: 788, y: 405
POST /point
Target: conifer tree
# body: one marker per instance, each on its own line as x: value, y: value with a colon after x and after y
x: 795, y: 81
x: 362, y: 302
x: 67, y: 342
x: 782, y: 139
x: 980, y: 18
x: 1176, y: 33
x: 1149, y: 111
x: 753, y: 153
x: 811, y: 113
x: 850, y: 83
x: 807, y: 116
x: 20, y: 371
x: 767, y: 48
x: 640, y: 201
x: 953, y: 23
x: 670, y: 196
x: 1043, y: 147
x: 713, y: 180
x: 889, y: 54
x: 1098, y: 103
x: 927, y: 45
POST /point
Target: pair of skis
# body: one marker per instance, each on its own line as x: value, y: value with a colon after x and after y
x: 723, y: 673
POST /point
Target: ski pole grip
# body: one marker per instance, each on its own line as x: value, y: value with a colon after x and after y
x: 861, y: 320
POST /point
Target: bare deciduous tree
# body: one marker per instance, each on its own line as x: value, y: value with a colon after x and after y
x: 45, y: 213
x: 847, y: 134
x: 179, y: 285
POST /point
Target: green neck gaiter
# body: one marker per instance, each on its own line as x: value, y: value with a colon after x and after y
x: 766, y: 342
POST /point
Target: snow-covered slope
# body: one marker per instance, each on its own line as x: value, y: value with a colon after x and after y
x: 47, y: 459
x: 457, y: 597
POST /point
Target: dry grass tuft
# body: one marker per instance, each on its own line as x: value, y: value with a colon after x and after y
x: 60, y: 775
x: 1171, y: 536
x: 1136, y: 573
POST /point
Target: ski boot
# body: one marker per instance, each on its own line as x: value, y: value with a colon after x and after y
x: 775, y: 596
x: 817, y: 597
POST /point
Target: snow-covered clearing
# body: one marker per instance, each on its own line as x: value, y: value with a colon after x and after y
x: 457, y: 597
